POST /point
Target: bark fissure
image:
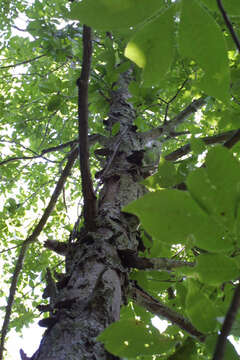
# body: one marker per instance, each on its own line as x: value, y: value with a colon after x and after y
x: 95, y: 284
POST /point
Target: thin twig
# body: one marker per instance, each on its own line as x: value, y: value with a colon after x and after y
x: 189, y: 110
x: 93, y: 139
x: 11, y: 248
x: 178, y: 91
x: 17, y: 158
x: 229, y: 24
x: 172, y: 99
x: 168, y: 127
x: 22, y: 63
x: 233, y: 140
x: 227, y: 325
x: 17, y: 28
x: 30, y: 239
x: 210, y: 140
x: 89, y: 196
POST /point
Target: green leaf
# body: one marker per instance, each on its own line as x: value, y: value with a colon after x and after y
x: 200, y: 309
x: 231, y: 7
x: 152, y: 47
x: 187, y: 351
x: 229, y: 353
x: 172, y: 216
x: 115, y: 128
x: 169, y: 215
x: 131, y: 338
x: 109, y: 15
x: 146, y: 279
x: 47, y: 87
x: 54, y: 103
x: 201, y: 39
x: 223, y: 170
x: 215, y: 269
x: 165, y: 177
x: 197, y: 146
x: 216, y: 189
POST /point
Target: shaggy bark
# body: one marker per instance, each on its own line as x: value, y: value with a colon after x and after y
x: 89, y: 295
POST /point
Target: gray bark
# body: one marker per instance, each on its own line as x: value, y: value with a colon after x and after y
x: 89, y: 295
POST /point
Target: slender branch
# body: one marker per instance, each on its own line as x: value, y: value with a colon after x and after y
x: 22, y: 63
x: 17, y: 158
x: 11, y: 248
x: 131, y: 260
x: 142, y: 298
x: 233, y: 140
x: 184, y: 114
x: 93, y: 139
x: 210, y: 140
x: 227, y: 325
x: 168, y: 127
x: 30, y: 239
x: 17, y: 28
x: 172, y: 99
x: 229, y: 24
x: 178, y: 91
x: 82, y: 83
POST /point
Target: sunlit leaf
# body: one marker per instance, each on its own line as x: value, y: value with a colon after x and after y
x: 215, y: 269
x: 200, y: 309
x: 152, y: 47
x: 172, y: 216
x: 109, y: 15
x: 131, y: 338
x: 201, y: 39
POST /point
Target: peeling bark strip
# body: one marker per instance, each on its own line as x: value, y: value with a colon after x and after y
x: 89, y: 210
x: 91, y: 292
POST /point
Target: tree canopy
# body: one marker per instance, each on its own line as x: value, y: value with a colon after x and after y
x: 143, y: 97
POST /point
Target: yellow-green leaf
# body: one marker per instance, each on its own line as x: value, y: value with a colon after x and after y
x: 110, y: 15
x: 201, y: 39
x: 152, y: 47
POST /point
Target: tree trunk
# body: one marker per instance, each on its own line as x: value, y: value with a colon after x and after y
x: 89, y: 296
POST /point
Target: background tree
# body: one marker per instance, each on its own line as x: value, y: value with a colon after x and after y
x: 131, y: 237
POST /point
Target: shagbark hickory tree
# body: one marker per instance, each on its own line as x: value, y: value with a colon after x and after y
x: 143, y: 96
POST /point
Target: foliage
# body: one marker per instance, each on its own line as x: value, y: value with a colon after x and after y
x: 178, y: 50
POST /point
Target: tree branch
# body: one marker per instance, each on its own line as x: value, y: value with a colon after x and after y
x: 233, y: 140
x: 142, y: 298
x: 131, y: 260
x: 229, y: 24
x: 184, y: 114
x: 168, y: 127
x: 17, y: 158
x: 227, y: 325
x: 30, y: 239
x: 210, y: 140
x: 89, y: 196
x: 93, y: 139
x: 172, y: 99
x: 22, y: 63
